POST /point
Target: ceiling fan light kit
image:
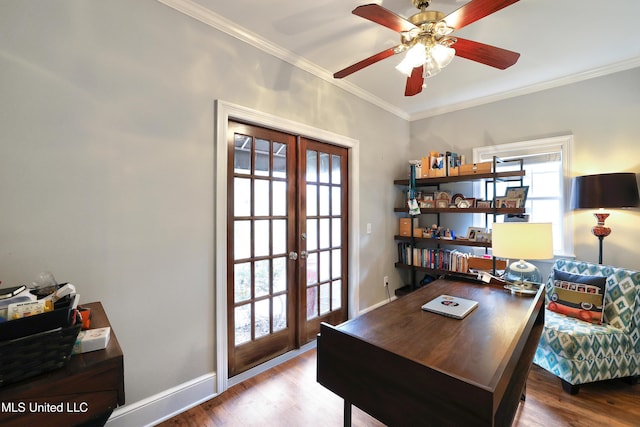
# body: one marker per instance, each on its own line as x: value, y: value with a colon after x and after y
x: 425, y: 38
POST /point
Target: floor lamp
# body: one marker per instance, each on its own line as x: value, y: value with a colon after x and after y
x: 609, y: 190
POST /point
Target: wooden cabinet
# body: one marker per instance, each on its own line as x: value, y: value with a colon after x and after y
x: 83, y: 392
x: 509, y: 171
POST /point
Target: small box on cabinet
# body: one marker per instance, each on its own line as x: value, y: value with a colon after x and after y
x: 406, y: 224
x: 92, y: 340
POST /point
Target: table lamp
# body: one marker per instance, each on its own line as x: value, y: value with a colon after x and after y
x: 522, y: 240
x: 609, y: 190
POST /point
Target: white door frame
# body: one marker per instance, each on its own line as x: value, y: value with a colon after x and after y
x: 223, y: 112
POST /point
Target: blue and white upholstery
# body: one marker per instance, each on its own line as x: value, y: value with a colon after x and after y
x: 580, y: 352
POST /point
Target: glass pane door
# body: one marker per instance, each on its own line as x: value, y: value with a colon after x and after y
x: 261, y: 319
x: 286, y: 242
x: 325, y: 225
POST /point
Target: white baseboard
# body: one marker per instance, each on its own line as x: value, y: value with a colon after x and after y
x: 171, y: 402
x: 380, y: 304
x: 162, y: 406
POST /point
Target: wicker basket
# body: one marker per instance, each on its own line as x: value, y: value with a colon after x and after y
x: 31, y: 355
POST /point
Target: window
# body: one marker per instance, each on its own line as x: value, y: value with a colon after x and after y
x: 546, y: 162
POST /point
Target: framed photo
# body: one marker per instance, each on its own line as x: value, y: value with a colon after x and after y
x: 443, y: 195
x: 484, y: 204
x: 483, y: 237
x: 429, y: 204
x: 518, y: 193
x: 471, y: 202
x: 441, y: 203
x: 512, y: 203
x: 457, y: 198
x: 464, y: 203
x: 472, y: 232
x: 501, y: 202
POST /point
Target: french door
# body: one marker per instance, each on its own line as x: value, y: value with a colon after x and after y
x: 286, y: 242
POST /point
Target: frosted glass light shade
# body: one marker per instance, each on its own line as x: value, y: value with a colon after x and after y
x: 415, y: 57
x: 434, y: 58
x: 443, y: 55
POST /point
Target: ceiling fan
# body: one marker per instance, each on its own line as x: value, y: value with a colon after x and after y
x: 426, y: 38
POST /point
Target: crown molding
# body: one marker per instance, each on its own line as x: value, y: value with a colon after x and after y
x: 220, y: 23
x: 208, y: 17
x: 526, y: 90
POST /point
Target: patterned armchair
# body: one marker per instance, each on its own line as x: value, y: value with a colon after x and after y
x: 580, y: 352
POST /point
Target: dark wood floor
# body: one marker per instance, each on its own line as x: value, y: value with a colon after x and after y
x: 288, y: 395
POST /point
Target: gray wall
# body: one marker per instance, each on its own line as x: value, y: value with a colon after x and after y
x: 107, y: 166
x: 107, y: 162
x: 603, y: 115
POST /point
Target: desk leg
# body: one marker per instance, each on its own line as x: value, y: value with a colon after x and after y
x: 347, y: 413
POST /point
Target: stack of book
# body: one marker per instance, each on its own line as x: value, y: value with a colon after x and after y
x: 435, y: 258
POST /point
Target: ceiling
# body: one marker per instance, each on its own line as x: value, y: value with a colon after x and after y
x: 560, y: 42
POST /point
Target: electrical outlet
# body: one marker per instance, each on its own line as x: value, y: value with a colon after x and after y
x: 385, y: 281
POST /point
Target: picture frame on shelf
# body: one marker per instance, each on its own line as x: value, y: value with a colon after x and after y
x: 507, y: 202
x: 512, y: 202
x: 457, y: 198
x: 442, y: 203
x: 462, y: 204
x: 483, y: 237
x: 467, y: 202
x: 472, y: 233
x: 519, y: 193
x: 443, y: 195
x: 484, y: 204
x: 428, y: 204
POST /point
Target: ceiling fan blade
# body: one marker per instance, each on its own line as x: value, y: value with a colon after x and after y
x: 485, y: 54
x: 366, y: 62
x: 474, y: 10
x: 382, y: 16
x: 414, y: 82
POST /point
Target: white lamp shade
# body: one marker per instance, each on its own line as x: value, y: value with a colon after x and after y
x: 522, y: 240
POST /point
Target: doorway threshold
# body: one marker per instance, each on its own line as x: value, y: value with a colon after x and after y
x: 250, y: 373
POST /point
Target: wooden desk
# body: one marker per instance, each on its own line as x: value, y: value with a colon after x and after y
x: 86, y: 389
x: 405, y: 366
